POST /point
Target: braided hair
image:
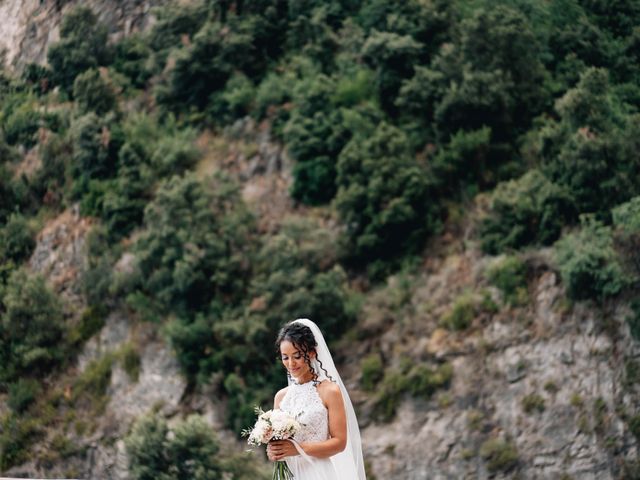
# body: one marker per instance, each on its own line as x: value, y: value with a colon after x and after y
x: 302, y: 338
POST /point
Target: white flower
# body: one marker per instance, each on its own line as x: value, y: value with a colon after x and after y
x: 272, y: 424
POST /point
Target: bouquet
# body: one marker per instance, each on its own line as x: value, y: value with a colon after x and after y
x: 273, y: 425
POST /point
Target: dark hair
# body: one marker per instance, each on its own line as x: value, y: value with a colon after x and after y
x: 302, y: 338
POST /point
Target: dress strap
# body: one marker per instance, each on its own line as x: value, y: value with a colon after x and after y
x: 301, y: 451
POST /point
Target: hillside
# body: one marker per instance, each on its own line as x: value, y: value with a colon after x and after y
x: 451, y: 190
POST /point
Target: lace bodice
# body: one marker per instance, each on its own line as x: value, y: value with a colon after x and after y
x: 303, y: 400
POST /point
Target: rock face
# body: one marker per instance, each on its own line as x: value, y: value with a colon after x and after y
x: 59, y: 254
x: 29, y: 26
x: 546, y: 378
x: 160, y: 385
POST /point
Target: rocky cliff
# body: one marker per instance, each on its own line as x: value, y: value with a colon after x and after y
x: 540, y: 387
x: 28, y: 27
x: 546, y: 383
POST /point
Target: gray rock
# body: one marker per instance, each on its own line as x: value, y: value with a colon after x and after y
x: 28, y: 27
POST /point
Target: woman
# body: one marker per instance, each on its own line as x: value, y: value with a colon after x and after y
x: 328, y: 446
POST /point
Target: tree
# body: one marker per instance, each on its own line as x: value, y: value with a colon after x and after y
x: 31, y: 327
x: 96, y: 142
x: 592, y: 148
x: 528, y: 211
x: 392, y: 56
x: 204, y: 67
x: 83, y: 45
x: 93, y: 93
x: 195, y: 244
x: 384, y: 196
x: 588, y: 263
x: 16, y: 239
x: 132, y: 59
x: 188, y: 451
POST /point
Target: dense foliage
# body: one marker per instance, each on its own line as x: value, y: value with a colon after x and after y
x: 394, y: 114
x: 189, y: 450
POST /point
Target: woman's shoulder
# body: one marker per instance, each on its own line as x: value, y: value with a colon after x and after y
x: 328, y: 389
x: 279, y: 396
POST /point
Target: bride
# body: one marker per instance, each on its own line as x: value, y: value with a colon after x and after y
x: 328, y: 446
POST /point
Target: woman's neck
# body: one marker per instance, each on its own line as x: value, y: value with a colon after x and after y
x: 306, y: 379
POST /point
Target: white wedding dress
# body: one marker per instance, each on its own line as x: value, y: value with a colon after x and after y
x: 304, y: 400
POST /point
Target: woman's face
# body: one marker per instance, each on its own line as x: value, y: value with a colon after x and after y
x: 293, y: 361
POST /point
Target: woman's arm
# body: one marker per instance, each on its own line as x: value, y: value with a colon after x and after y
x: 278, y: 398
x: 332, y: 398
x: 274, y: 454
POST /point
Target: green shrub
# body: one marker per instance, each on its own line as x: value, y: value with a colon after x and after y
x: 49, y: 181
x: 372, y: 371
x: 634, y: 426
x: 633, y: 320
x: 130, y: 360
x: 22, y: 394
x: 274, y: 90
x: 91, y: 322
x: 21, y: 123
x: 391, y: 56
x: 31, y: 327
x: 194, y: 245
x: 424, y: 381
x: 354, y: 88
x: 240, y: 406
x: 420, y: 380
x: 93, y: 93
x: 17, y: 435
x: 461, y: 314
x: 314, y: 135
x: 132, y: 58
x: 235, y: 101
x: 551, y: 387
x: 500, y: 455
x: 83, y: 45
x: 17, y: 239
x: 173, y: 23
x: 96, y: 142
x: 145, y: 446
x: 204, y: 67
x: 528, y: 211
x: 591, y: 149
x: 464, y: 165
x: 631, y: 372
x: 383, y: 197
x: 190, y: 449
x: 510, y: 276
x: 626, y: 219
x: 588, y: 263
x: 97, y: 277
x: 95, y: 380
x: 174, y: 154
x: 532, y: 403
x: 297, y: 275
x: 627, y: 216
x: 389, y: 394
x: 37, y: 76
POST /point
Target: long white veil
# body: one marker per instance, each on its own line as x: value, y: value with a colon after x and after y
x: 349, y: 463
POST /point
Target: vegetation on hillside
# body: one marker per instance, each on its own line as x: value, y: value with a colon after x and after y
x: 392, y: 111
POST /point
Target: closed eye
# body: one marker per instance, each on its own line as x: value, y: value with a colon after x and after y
x: 295, y: 357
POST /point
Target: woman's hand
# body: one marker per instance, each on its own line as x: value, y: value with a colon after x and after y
x: 277, y: 450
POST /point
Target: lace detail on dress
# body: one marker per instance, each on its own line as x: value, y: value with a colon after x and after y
x: 303, y: 400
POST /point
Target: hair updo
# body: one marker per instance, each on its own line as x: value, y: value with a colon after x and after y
x: 303, y: 339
